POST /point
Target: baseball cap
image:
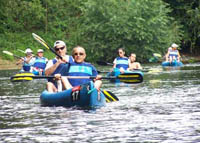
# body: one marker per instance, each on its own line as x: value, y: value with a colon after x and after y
x: 59, y: 42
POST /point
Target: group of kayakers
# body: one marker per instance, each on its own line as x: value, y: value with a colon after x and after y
x: 33, y: 64
x: 75, y: 65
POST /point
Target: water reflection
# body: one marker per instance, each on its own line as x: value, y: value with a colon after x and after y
x: 164, y: 108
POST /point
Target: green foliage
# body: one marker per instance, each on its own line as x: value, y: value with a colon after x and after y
x: 101, y: 26
x: 141, y: 26
x: 187, y: 13
x: 22, y: 15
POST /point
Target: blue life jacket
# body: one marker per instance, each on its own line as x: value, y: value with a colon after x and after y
x: 27, y: 66
x: 81, y: 69
x: 62, y: 69
x: 173, y: 53
x: 40, y: 62
x: 122, y: 62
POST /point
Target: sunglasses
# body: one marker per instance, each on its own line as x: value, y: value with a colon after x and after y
x: 76, y: 54
x: 57, y: 49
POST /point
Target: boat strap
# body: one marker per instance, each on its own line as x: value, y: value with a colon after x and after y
x: 91, y: 90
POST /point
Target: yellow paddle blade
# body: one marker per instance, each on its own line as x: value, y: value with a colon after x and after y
x: 110, y: 97
x: 39, y: 39
x: 19, y: 77
x: 130, y: 81
x: 130, y: 78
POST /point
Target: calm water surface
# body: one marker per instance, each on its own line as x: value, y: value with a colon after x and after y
x: 164, y: 108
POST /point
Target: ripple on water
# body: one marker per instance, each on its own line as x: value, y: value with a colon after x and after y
x: 164, y: 108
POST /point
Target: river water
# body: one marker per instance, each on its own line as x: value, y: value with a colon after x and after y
x: 164, y: 108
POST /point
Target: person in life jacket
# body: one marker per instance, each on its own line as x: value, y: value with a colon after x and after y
x: 173, y: 54
x: 81, y: 68
x: 27, y: 61
x: 58, y: 67
x: 39, y: 63
x: 121, y: 62
x: 133, y: 65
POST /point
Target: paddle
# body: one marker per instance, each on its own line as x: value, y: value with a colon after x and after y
x: 102, y: 63
x: 11, y: 54
x: 157, y: 55
x: 41, y: 41
x: 126, y: 77
x: 110, y: 97
x: 21, y: 51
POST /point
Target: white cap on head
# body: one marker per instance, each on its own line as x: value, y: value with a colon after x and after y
x: 174, y: 45
x: 28, y: 51
x: 40, y: 51
x: 59, y: 42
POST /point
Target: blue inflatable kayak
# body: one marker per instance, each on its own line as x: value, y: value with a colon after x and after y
x: 173, y: 64
x: 83, y: 96
x: 116, y: 72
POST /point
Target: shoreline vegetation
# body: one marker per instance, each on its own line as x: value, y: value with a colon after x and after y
x: 11, y: 65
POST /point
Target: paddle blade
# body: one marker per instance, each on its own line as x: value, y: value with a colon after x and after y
x: 40, y: 40
x: 22, y: 77
x: 8, y: 53
x: 130, y: 78
x: 110, y: 97
x: 157, y: 55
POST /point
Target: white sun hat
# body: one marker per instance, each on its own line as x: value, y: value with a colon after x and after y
x: 40, y: 51
x: 28, y: 51
x: 174, y: 45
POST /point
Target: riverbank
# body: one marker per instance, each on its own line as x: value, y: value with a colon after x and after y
x: 8, y: 65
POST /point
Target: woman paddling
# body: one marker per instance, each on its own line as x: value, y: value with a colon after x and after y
x: 173, y: 54
x: 27, y: 61
x: 121, y: 63
x: 39, y: 63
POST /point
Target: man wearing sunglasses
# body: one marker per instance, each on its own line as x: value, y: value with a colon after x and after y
x: 81, y: 68
x: 58, y: 67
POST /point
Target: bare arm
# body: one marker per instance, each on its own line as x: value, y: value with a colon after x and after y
x: 20, y: 61
x: 51, y: 69
x: 166, y: 56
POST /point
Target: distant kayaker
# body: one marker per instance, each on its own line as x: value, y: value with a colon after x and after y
x: 81, y: 68
x: 173, y: 54
x: 27, y: 61
x: 39, y: 63
x: 58, y: 67
x: 132, y: 64
x: 121, y: 62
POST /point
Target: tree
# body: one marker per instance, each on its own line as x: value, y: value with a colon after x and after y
x: 140, y: 26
